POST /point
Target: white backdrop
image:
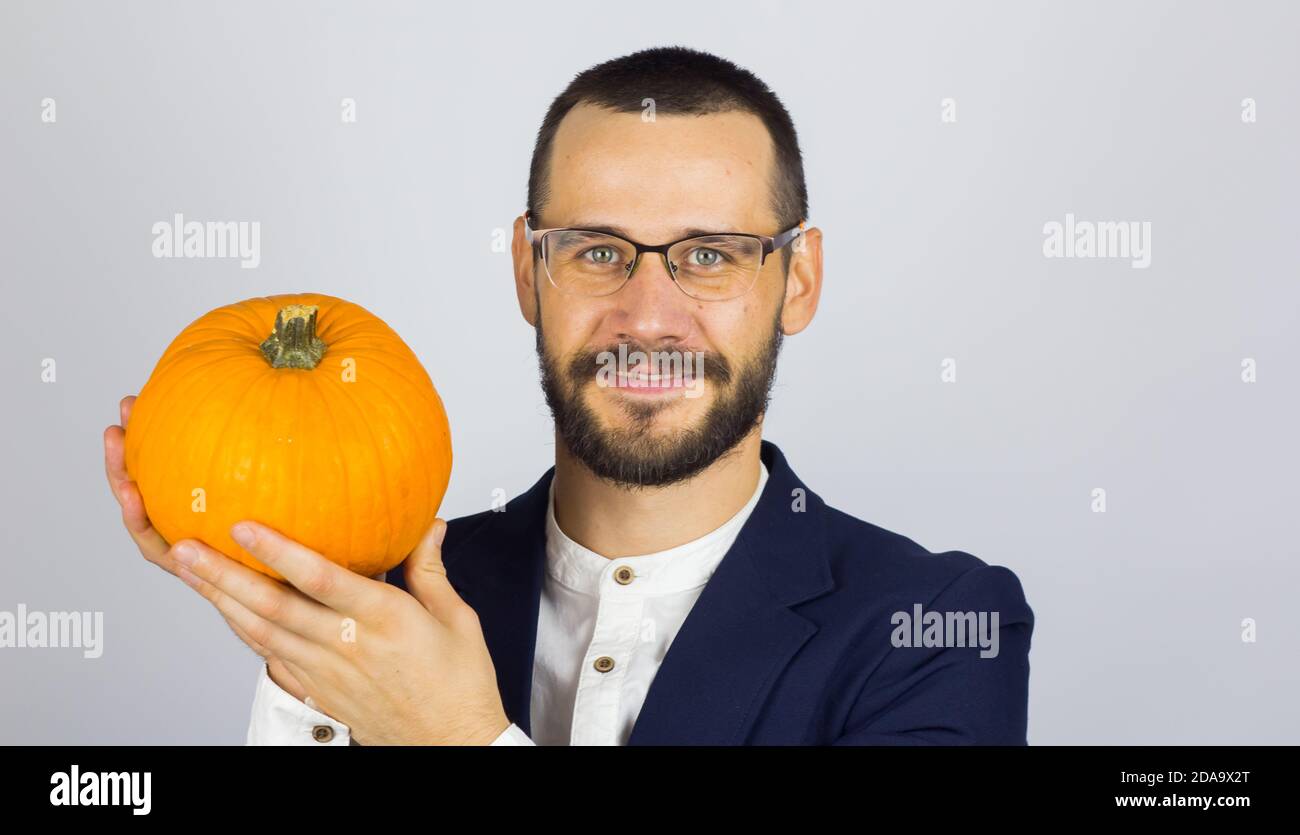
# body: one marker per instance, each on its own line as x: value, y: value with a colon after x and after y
x: 1072, y: 374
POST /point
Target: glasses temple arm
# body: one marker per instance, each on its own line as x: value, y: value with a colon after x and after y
x: 787, y: 236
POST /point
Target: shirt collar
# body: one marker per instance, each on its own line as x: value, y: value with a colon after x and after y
x: 681, y: 568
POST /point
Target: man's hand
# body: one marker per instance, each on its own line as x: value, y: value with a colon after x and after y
x: 396, y: 668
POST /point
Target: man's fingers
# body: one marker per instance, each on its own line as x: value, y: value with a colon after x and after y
x: 273, y: 602
x: 197, y: 583
x: 134, y: 518
x: 426, y: 577
x: 276, y: 669
x: 344, y: 591
x: 151, y: 543
x: 272, y: 637
x: 115, y: 459
x: 115, y: 447
x: 248, y: 641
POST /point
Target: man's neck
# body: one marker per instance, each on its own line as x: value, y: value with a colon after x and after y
x: 616, y: 522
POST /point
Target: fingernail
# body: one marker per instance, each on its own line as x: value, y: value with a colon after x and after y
x: 185, y: 554
x: 243, y: 534
x: 440, y: 534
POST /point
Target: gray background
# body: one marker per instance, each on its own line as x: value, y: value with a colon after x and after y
x: 1072, y: 374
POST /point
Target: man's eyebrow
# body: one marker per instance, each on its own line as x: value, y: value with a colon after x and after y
x: 681, y: 233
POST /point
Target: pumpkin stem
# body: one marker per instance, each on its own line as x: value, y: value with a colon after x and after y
x: 294, y: 343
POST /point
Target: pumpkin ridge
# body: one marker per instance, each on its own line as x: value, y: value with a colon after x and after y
x: 220, y: 450
x: 261, y: 439
x: 379, y: 461
x: 213, y: 323
x: 397, y: 374
x: 338, y: 447
x: 417, y: 432
x: 162, y: 367
x: 168, y: 366
x: 169, y: 474
x: 218, y: 336
x: 228, y: 351
x: 228, y: 322
x: 162, y: 374
x: 419, y: 437
x: 301, y: 452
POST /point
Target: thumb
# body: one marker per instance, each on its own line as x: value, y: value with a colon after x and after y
x: 426, y: 577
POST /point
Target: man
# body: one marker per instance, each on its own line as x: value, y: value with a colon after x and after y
x: 670, y: 580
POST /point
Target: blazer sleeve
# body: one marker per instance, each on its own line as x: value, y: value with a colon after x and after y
x: 953, y: 695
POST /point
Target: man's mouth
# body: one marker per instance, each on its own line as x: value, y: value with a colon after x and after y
x: 649, y: 383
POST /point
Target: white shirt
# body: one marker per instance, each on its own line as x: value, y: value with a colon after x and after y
x: 592, y: 612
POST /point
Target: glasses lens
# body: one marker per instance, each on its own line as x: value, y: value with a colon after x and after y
x: 716, y: 267
x: 587, y: 263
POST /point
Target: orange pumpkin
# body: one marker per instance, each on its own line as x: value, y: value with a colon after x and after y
x: 303, y: 412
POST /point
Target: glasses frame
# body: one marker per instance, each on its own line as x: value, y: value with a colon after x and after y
x: 771, y: 244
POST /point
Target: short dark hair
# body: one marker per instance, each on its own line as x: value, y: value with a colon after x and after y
x: 681, y: 81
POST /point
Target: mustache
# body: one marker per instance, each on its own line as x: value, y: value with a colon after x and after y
x: 584, y: 364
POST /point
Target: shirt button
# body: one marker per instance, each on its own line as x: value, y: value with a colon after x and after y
x: 322, y: 733
x: 604, y: 664
x: 624, y: 575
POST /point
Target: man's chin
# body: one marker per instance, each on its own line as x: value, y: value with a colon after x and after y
x: 640, y: 457
x: 633, y: 443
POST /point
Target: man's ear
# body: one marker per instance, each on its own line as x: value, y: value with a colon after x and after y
x: 521, y: 252
x: 803, y: 284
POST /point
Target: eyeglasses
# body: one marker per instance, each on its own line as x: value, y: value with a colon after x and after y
x: 589, y: 262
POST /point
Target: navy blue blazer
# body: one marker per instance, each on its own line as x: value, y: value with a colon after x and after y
x: 790, y: 641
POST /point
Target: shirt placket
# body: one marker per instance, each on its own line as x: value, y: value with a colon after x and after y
x: 596, y: 709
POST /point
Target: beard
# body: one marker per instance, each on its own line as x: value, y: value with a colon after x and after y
x: 636, y: 455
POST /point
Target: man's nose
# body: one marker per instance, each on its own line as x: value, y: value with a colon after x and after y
x: 651, y: 309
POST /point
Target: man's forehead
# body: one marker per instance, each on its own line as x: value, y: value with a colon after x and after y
x: 734, y: 138
x: 691, y: 172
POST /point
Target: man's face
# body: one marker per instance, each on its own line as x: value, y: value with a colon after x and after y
x: 655, y: 181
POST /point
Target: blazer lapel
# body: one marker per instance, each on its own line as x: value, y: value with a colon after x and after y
x: 733, y: 646
x: 742, y: 633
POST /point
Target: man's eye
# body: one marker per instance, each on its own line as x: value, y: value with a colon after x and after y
x: 703, y: 257
x: 602, y: 254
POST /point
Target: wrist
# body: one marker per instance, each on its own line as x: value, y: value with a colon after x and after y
x: 474, y: 727
x: 488, y: 731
